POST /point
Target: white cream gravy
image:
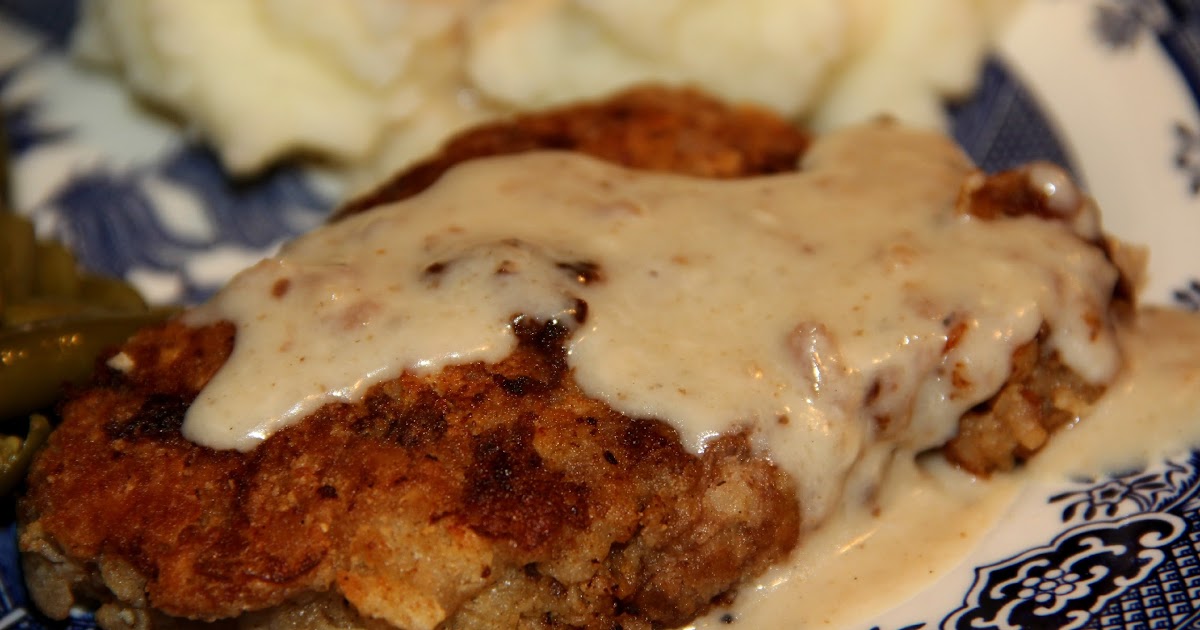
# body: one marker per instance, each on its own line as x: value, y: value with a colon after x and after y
x: 805, y: 307
x: 1151, y: 411
x: 867, y: 558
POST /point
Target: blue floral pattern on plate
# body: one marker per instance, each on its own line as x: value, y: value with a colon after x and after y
x: 1126, y: 552
x: 1132, y: 563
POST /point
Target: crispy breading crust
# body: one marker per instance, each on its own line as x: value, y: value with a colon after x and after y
x: 648, y: 128
x: 1041, y: 395
x: 500, y: 487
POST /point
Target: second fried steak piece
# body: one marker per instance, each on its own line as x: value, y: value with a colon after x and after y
x: 483, y: 496
x: 647, y: 128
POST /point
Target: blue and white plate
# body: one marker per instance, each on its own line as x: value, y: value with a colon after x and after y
x: 1109, y: 88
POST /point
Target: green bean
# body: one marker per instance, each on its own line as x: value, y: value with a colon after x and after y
x: 17, y: 247
x: 37, y: 309
x: 54, y: 323
x: 37, y: 359
x: 10, y: 445
x: 111, y: 294
x: 27, y: 268
x: 16, y: 454
x: 56, y: 273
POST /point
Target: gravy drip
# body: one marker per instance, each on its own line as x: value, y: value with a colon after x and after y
x: 813, y: 308
x: 865, y: 559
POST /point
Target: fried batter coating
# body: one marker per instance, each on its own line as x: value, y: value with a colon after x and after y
x: 1041, y: 395
x: 648, y: 128
x: 480, y: 494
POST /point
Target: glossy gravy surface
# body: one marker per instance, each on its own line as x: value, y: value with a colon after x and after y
x: 929, y: 516
x: 814, y: 309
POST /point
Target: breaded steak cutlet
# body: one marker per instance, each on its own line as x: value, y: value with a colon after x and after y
x: 481, y: 496
x: 487, y: 496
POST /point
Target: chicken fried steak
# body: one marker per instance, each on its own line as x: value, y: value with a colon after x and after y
x: 499, y: 494
x: 495, y: 495
x: 524, y: 490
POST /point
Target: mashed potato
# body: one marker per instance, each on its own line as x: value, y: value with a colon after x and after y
x: 374, y: 84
